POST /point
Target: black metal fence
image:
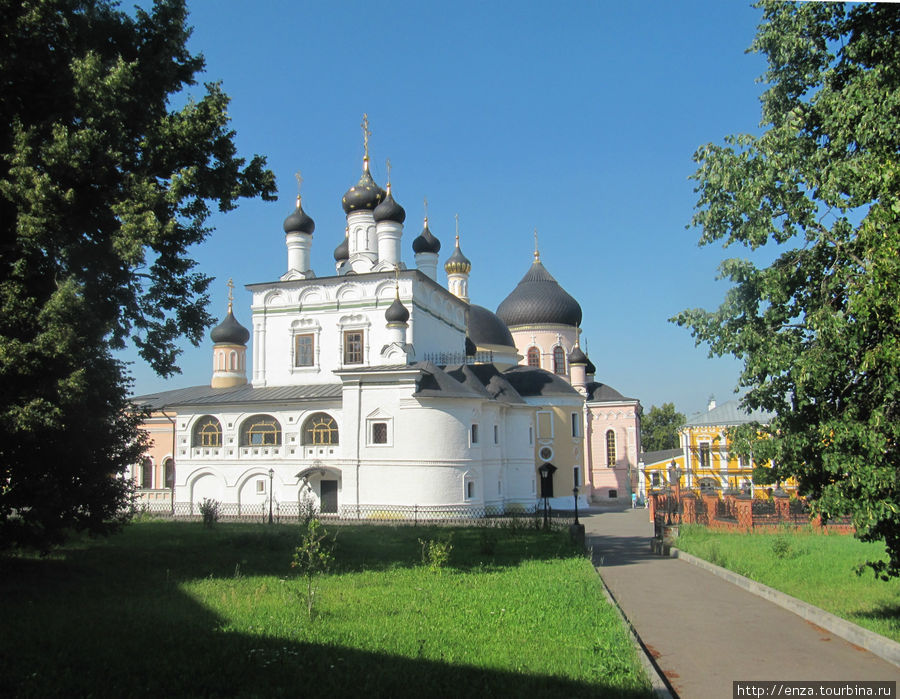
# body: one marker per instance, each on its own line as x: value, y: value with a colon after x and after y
x: 285, y: 512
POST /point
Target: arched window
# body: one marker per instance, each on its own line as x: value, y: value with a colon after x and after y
x: 207, y: 432
x: 169, y: 472
x: 559, y: 360
x: 534, y: 357
x: 610, y: 449
x: 260, y: 430
x: 320, y: 428
x: 146, y: 473
x: 233, y: 361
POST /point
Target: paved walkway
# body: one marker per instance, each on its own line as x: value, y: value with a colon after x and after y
x: 705, y: 632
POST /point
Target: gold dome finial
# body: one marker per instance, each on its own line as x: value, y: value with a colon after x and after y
x: 230, y: 286
x: 366, y: 134
x: 537, y: 255
x: 299, y: 185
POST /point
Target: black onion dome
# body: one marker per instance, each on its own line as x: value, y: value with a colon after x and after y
x: 389, y: 210
x: 539, y: 298
x: 365, y: 194
x: 342, y: 251
x: 457, y: 262
x: 396, y: 312
x: 486, y: 328
x: 591, y: 369
x: 426, y: 242
x: 230, y: 332
x: 471, y: 349
x: 299, y: 221
x: 576, y: 356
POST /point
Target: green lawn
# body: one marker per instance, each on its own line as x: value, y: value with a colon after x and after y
x: 174, y: 609
x: 816, y: 567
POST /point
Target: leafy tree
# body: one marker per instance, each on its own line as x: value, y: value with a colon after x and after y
x: 818, y: 328
x: 659, y: 428
x: 104, y: 186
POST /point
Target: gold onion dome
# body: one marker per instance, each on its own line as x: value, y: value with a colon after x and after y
x: 458, y: 263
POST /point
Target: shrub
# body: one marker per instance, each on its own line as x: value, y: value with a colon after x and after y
x: 436, y: 553
x: 314, y: 556
x: 209, y: 510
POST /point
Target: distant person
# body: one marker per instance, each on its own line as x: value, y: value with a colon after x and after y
x: 633, y: 500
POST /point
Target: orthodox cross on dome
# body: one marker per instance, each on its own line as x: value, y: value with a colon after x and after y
x: 366, y: 134
x: 397, y: 279
x: 426, y: 211
x: 456, y: 216
x: 299, y: 185
x: 230, y: 286
x: 537, y: 255
x: 387, y: 165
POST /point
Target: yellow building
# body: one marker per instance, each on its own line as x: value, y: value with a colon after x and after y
x: 704, y: 462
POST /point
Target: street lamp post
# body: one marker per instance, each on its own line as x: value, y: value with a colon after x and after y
x: 575, y: 493
x: 271, y: 476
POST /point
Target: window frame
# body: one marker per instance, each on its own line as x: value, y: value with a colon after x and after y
x: 559, y: 360
x: 311, y: 336
x: 533, y: 357
x: 200, y: 435
x: 348, y: 354
x: 254, y: 425
x: 319, y: 429
x: 611, y: 448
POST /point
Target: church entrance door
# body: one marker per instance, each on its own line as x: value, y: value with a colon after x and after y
x: 328, y: 499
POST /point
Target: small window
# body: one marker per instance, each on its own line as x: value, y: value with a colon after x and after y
x: 496, y: 434
x: 531, y: 435
x: 610, y: 449
x: 353, y: 347
x: 169, y: 470
x: 304, y: 346
x: 576, y: 425
x: 261, y: 486
x: 534, y: 357
x: 379, y: 433
x: 559, y: 360
x: 576, y: 475
x: 474, y: 434
x: 613, y: 494
x: 655, y: 480
x: 147, y: 474
x: 470, y: 490
x: 546, y: 453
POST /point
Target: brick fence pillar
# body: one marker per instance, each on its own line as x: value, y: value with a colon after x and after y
x: 743, y: 510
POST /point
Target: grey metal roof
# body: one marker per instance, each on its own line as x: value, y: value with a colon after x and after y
x: 538, y: 298
x: 730, y: 413
x: 532, y: 381
x: 654, y: 457
x: 494, y: 383
x: 600, y: 392
x: 486, y: 328
x: 206, y: 395
x: 437, y: 383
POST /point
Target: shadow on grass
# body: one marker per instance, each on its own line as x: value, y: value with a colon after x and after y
x: 108, y: 619
x: 884, y: 612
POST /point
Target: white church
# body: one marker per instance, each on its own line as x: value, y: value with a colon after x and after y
x: 375, y: 389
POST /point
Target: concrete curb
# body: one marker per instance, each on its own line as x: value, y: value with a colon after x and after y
x: 875, y: 643
x: 658, y: 683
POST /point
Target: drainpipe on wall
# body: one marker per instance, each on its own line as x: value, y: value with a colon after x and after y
x: 589, y: 452
x: 358, y: 435
x: 172, y: 420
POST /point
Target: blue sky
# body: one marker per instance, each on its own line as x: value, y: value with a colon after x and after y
x: 578, y: 119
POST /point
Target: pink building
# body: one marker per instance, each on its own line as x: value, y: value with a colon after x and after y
x: 545, y: 322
